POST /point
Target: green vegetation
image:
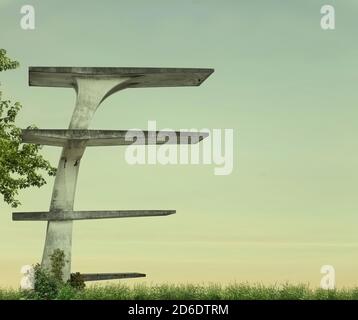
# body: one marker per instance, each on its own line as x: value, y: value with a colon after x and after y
x: 19, y: 163
x: 57, y: 263
x: 188, y: 292
x: 76, y: 281
x: 46, y: 285
x: 49, y: 285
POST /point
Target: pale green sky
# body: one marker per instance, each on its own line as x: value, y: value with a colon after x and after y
x: 288, y: 89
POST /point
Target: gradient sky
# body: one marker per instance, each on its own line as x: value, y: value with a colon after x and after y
x: 289, y: 90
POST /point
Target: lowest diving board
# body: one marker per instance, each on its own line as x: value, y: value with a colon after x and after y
x: 110, y: 276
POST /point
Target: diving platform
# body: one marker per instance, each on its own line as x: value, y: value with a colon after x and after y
x: 135, y: 77
x: 87, y: 215
x: 111, y: 276
x: 96, y: 138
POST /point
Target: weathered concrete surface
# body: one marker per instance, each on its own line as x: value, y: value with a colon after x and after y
x: 111, y: 276
x: 87, y: 215
x: 95, y: 138
x: 137, y: 77
x: 90, y: 93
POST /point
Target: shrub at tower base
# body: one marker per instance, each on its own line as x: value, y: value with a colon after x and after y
x: 48, y: 284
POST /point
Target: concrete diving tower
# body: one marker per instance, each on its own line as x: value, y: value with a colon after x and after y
x: 93, y: 86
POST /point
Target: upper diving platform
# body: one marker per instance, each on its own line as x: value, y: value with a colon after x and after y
x: 137, y: 77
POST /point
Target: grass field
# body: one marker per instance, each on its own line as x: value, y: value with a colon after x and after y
x: 195, y: 292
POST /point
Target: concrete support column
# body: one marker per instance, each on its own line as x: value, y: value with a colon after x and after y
x: 90, y: 93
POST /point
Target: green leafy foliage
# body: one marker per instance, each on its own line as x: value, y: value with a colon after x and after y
x: 46, y: 285
x: 49, y: 284
x: 76, y: 281
x: 19, y: 163
x: 5, y: 62
x: 57, y: 263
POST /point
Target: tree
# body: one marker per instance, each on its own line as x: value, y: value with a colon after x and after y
x: 20, y: 164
